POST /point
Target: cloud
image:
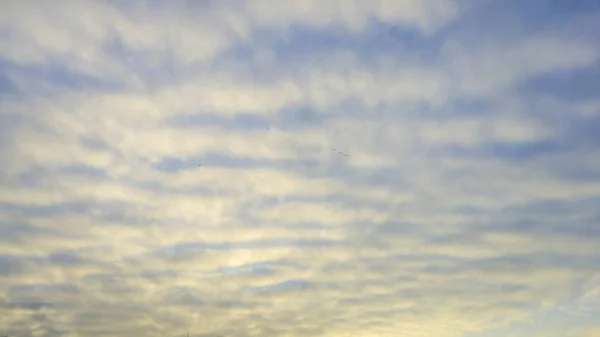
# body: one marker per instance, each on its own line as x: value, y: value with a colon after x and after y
x: 424, y: 168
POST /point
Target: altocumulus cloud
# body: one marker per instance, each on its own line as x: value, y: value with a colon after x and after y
x: 300, y: 168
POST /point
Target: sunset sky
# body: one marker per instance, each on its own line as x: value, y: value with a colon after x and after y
x: 335, y: 168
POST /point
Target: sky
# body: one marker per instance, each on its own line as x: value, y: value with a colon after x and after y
x: 337, y: 168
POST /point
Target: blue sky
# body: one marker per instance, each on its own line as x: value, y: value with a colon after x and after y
x: 300, y: 168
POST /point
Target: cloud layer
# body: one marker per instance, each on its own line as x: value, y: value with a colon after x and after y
x: 299, y: 168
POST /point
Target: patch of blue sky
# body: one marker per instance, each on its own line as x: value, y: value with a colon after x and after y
x: 336, y: 168
x: 58, y: 74
x: 572, y: 85
x: 516, y: 19
x: 290, y: 285
x: 41, y: 210
x: 11, y: 264
x: 7, y: 87
x: 333, y: 199
x: 256, y: 244
x: 105, y: 212
x: 240, y: 121
x: 82, y: 170
x: 264, y: 268
x: 507, y: 151
x: 302, y: 42
x: 172, y: 164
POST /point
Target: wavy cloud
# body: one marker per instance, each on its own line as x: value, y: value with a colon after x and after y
x: 299, y: 168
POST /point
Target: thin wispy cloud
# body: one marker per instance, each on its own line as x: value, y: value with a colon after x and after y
x: 300, y: 168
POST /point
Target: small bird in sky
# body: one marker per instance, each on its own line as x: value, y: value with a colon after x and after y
x: 340, y: 152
